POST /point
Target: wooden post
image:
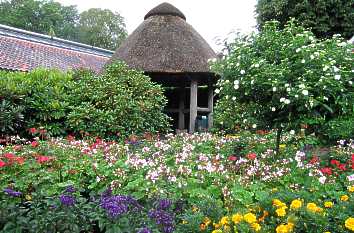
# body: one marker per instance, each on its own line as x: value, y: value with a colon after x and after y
x: 210, y: 105
x: 182, y: 98
x: 193, y: 105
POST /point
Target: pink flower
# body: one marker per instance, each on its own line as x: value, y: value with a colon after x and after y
x: 42, y: 159
x: 251, y: 156
x: 2, y: 164
x: 232, y: 158
x: 326, y: 170
x: 32, y: 130
x: 34, y: 144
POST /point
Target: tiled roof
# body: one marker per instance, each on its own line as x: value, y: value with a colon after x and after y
x: 23, y: 51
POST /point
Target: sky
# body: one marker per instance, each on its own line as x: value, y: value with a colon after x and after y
x: 215, y: 20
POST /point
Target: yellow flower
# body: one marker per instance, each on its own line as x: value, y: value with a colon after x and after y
x: 195, y: 209
x: 282, y: 228
x: 328, y: 204
x: 256, y: 227
x: 282, y: 146
x: 216, y: 231
x: 250, y: 218
x: 327, y: 232
x: 28, y: 197
x: 184, y: 221
x: 277, y: 203
x: 351, y: 189
x: 206, y: 221
x: 202, y: 226
x: 236, y: 218
x: 296, y: 204
x: 312, y: 207
x: 281, y: 212
x: 344, y: 198
x: 349, y: 223
x: 224, y: 220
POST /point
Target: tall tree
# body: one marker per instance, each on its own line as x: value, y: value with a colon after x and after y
x: 101, y: 28
x: 324, y: 17
x: 96, y: 27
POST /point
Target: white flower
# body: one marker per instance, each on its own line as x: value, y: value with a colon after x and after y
x: 217, y: 91
x: 242, y: 72
x: 325, y: 68
x: 273, y: 109
x: 236, y: 87
x: 287, y: 101
x: 252, y: 81
x: 298, y: 50
x: 256, y: 65
x: 245, y: 120
x: 303, y: 61
x: 274, y: 89
x: 292, y: 132
x: 236, y: 82
x: 234, y: 98
x: 337, y: 77
x: 302, y: 86
x: 325, y: 98
x: 288, y: 89
x: 287, y: 85
x: 282, y: 99
x: 305, y: 92
x: 254, y: 126
x: 350, y: 82
x: 312, y: 57
x: 322, y: 179
x: 335, y: 69
x: 350, y: 178
x: 311, y: 38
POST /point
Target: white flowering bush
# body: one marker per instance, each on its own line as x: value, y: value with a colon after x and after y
x: 281, y: 79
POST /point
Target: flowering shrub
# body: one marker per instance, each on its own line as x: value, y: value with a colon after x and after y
x: 282, y: 79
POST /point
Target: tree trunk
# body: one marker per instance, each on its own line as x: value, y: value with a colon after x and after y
x: 279, y: 131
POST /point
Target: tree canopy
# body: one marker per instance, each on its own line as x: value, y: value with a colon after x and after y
x: 96, y: 27
x: 324, y: 17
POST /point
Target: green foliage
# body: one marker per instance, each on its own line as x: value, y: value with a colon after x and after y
x: 96, y: 27
x: 118, y: 103
x: 324, y: 17
x: 101, y: 28
x: 282, y: 79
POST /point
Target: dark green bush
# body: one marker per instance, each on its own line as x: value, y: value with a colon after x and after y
x: 118, y: 102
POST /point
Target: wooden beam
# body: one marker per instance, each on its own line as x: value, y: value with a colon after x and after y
x: 182, y: 97
x: 193, y: 105
x: 210, y: 105
x: 207, y: 110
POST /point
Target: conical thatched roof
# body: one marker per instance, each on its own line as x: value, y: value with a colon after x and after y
x: 165, y: 43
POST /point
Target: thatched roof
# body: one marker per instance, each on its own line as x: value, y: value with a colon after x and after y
x: 165, y: 43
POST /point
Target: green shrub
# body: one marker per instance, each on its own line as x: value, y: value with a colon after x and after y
x: 41, y: 95
x: 119, y: 102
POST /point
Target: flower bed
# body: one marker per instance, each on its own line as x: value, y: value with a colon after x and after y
x: 181, y: 183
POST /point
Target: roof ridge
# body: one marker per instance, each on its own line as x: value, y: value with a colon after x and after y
x: 9, y: 31
x: 165, y: 8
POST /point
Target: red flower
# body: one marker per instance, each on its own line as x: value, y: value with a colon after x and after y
x: 335, y: 162
x: 342, y: 167
x: 9, y: 156
x: 20, y: 160
x: 251, y: 156
x: 326, y: 170
x: 2, y: 163
x: 42, y: 159
x: 34, y: 144
x: 70, y: 138
x: 32, y: 130
x: 314, y: 159
x: 232, y: 158
x: 353, y: 158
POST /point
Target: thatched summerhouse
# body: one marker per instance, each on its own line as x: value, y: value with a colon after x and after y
x: 173, y: 54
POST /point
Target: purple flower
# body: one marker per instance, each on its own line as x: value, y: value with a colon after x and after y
x: 164, y: 204
x: 67, y: 200
x: 144, y: 230
x: 164, y: 219
x: 117, y: 205
x: 12, y: 193
x: 70, y: 189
